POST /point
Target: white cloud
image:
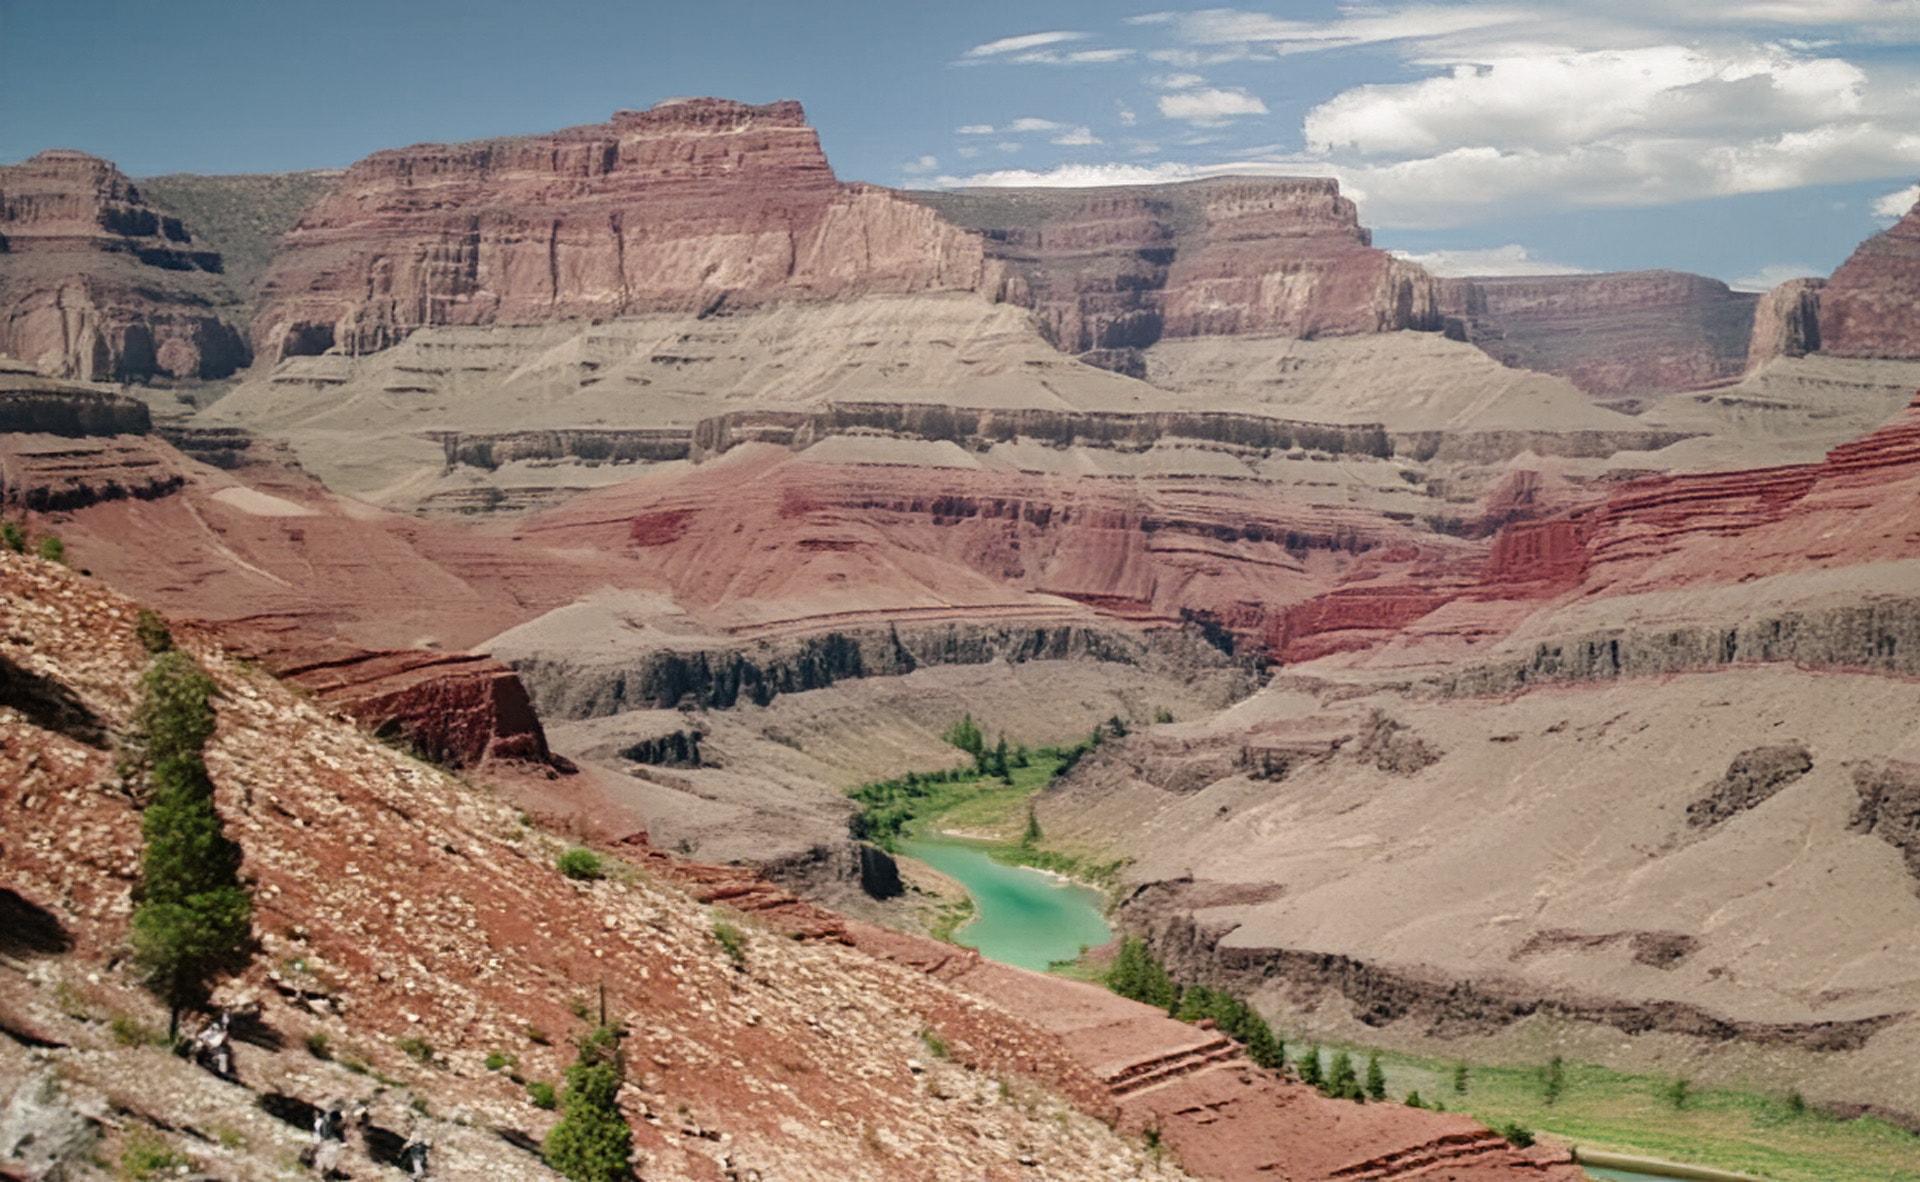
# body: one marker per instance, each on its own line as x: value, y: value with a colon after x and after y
x: 1078, y: 137
x: 1030, y: 123
x: 974, y: 129
x: 1080, y: 176
x: 966, y: 153
x: 1127, y: 117
x: 1773, y: 275
x: 1008, y: 145
x: 1511, y: 259
x: 1894, y: 206
x: 920, y: 166
x: 1210, y: 106
x: 1176, y: 81
x: 1025, y: 41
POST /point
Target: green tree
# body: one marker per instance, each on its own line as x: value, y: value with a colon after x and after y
x: 152, y: 633
x: 966, y: 735
x: 192, y: 918
x: 1460, y: 1078
x: 1553, y: 1081
x: 1309, y: 1065
x: 52, y: 549
x: 1342, y: 1082
x: 1136, y: 974
x: 1264, y: 1048
x: 592, y: 1142
x: 1117, y: 727
x: 1414, y: 1101
x: 1031, y: 837
x: 1376, y: 1079
x: 13, y: 537
x: 1679, y: 1092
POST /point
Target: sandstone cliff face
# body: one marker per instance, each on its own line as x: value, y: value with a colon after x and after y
x: 690, y: 206
x: 95, y: 284
x: 1629, y: 332
x: 1786, y: 322
x: 1112, y: 270
x: 1867, y: 307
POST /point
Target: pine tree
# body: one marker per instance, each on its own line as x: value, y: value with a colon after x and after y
x: 966, y: 735
x: 1460, y: 1078
x: 1310, y: 1067
x: 1554, y: 1080
x: 1031, y: 837
x: 1376, y: 1079
x: 997, y: 762
x: 1264, y: 1048
x: 1414, y: 1101
x: 1342, y: 1082
x: 592, y: 1142
x: 192, y: 919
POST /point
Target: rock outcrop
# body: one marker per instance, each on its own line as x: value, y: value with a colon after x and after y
x: 1786, y: 322
x: 1752, y: 778
x: 1112, y: 270
x: 691, y: 206
x: 1621, y: 333
x: 1889, y: 808
x: 65, y: 446
x: 95, y: 284
x: 1867, y: 307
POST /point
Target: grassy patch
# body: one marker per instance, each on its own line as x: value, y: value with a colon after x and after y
x: 1769, y: 1136
x: 147, y: 1156
x: 951, y: 918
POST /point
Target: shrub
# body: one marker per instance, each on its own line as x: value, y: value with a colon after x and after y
x: 498, y: 1059
x: 1376, y: 1079
x: 1518, y: 1135
x: 147, y: 1156
x: 1679, y: 1092
x: 1554, y: 1080
x: 152, y: 632
x: 13, y: 537
x: 581, y: 864
x: 129, y: 1032
x: 416, y: 1048
x: 592, y: 1142
x: 540, y: 1093
x: 1162, y: 716
x: 1414, y: 1100
x: 936, y: 1046
x: 319, y: 1045
x: 967, y: 736
x: 52, y: 549
x: 1342, y: 1082
x: 732, y: 941
x: 1796, y: 1103
x: 1136, y: 974
x: 1310, y: 1072
x: 192, y: 920
x: 1460, y: 1078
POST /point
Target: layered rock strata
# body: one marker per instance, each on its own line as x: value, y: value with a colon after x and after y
x: 1867, y: 307
x: 692, y: 206
x: 95, y: 284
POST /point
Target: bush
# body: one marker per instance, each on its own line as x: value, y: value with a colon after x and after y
x: 1554, y: 1080
x: 1310, y: 1072
x: 1460, y: 1078
x: 152, y: 632
x: 1796, y: 1103
x: 1162, y: 716
x: 319, y: 1045
x: 52, y: 549
x: 147, y: 1156
x: 1518, y: 1135
x: 540, y: 1093
x: 581, y: 864
x: 1342, y: 1082
x: 416, y: 1048
x: 1137, y: 975
x: 592, y: 1142
x: 1414, y: 1101
x: 498, y: 1059
x: 936, y: 1046
x: 129, y: 1032
x: 1679, y: 1092
x: 967, y: 736
x: 13, y: 537
x: 732, y: 941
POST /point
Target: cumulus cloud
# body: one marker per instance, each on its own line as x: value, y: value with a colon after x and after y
x: 1030, y: 123
x: 1896, y: 204
x: 1773, y: 275
x: 974, y: 129
x: 920, y: 166
x: 1511, y: 259
x: 1025, y: 41
x: 1077, y: 137
x: 1210, y: 106
x: 1125, y: 113
x: 1176, y: 81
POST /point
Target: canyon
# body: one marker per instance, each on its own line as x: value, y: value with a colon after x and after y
x: 1538, y: 653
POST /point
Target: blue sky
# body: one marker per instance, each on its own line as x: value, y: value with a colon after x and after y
x: 1747, y: 139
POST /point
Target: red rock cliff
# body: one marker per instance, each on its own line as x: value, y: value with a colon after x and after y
x: 1868, y: 308
x: 1627, y: 332
x: 682, y: 207
x: 1119, y: 268
x: 95, y: 284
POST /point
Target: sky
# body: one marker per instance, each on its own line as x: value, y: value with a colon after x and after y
x: 1751, y: 140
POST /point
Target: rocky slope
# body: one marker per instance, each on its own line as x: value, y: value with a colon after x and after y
x: 1624, y: 333
x: 1110, y: 271
x: 96, y: 284
x: 64, y: 445
x: 690, y: 206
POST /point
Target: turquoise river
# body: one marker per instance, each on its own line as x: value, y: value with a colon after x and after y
x: 1021, y: 916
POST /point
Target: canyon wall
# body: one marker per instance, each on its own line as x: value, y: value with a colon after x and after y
x: 96, y: 284
x: 1622, y: 333
x: 691, y: 206
x: 1108, y: 271
x: 1867, y: 307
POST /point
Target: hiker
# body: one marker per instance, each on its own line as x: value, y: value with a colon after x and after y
x: 213, y: 1046
x: 414, y: 1152
x: 330, y: 1138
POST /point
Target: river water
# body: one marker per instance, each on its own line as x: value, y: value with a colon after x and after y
x: 1020, y: 915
